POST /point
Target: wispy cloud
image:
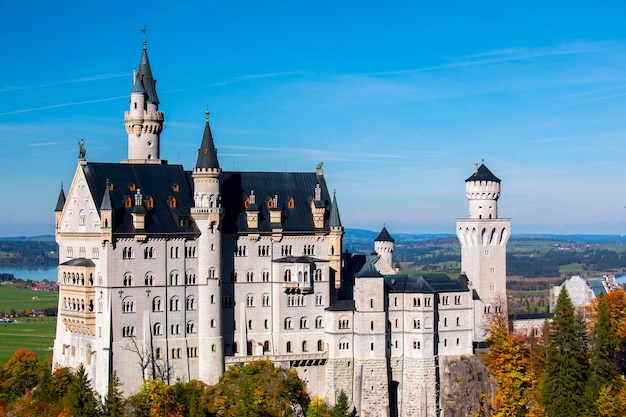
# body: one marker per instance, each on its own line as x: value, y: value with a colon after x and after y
x: 54, y: 106
x: 508, y: 55
x: 61, y: 82
x: 255, y: 77
x: 42, y: 144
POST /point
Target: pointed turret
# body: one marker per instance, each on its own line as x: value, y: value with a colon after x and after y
x: 384, y: 245
x: 207, y: 154
x: 335, y: 220
x: 384, y: 236
x: 106, y: 215
x: 61, y: 200
x: 59, y: 208
x: 144, y: 73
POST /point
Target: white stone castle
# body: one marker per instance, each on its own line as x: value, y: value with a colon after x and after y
x: 175, y: 274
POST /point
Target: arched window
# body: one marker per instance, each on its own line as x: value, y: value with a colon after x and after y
x: 288, y: 323
x: 305, y: 346
x: 156, y: 304
x: 128, y: 305
x: 149, y: 279
x: 319, y: 323
x: 320, y: 345
x: 157, y: 329
x: 288, y: 347
x: 174, y: 303
x: 190, y: 303
x: 304, y: 323
x: 191, y: 327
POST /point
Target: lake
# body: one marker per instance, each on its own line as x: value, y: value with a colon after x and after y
x: 36, y: 274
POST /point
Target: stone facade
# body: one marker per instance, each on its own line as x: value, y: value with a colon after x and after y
x: 175, y: 274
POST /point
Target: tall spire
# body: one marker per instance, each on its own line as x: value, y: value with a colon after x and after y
x: 207, y: 154
x: 335, y: 220
x: 106, y: 198
x: 143, y: 120
x: 144, y: 73
x: 61, y: 200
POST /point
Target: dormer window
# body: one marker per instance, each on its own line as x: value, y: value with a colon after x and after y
x: 128, y: 202
x: 246, y: 203
x: 111, y: 186
x: 150, y: 202
x: 270, y: 203
x: 176, y: 188
x: 132, y: 187
x: 291, y: 203
x: 172, y: 202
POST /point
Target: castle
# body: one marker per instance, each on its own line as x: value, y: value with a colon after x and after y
x: 177, y: 274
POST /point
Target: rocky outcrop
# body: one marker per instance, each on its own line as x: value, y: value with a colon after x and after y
x: 467, y: 387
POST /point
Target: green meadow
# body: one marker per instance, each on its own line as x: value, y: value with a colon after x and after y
x: 19, y: 299
x: 36, y: 334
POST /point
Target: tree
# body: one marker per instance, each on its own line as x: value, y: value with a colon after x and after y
x: 603, y: 345
x: 341, y: 407
x: 113, y: 402
x: 257, y: 389
x: 566, y: 370
x: 318, y: 408
x: 505, y: 362
x: 80, y: 399
x: 18, y: 375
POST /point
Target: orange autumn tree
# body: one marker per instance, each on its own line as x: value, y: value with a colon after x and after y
x: 616, y: 304
x: 506, y: 363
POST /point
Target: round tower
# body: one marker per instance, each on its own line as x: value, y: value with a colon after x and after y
x: 482, y: 190
x: 143, y: 120
x: 384, y: 246
x: 207, y: 213
x: 483, y: 237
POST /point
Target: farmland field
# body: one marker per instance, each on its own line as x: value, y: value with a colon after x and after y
x: 35, y: 334
x: 20, y: 299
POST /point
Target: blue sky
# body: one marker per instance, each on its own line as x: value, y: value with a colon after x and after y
x: 399, y: 99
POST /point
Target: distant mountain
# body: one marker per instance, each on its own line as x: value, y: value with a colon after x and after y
x: 42, y: 238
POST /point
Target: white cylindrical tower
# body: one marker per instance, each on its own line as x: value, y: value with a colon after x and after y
x: 207, y: 213
x: 384, y: 246
x: 143, y: 120
x: 482, y: 190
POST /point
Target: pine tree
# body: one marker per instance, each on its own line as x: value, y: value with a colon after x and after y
x: 341, y: 407
x: 113, y: 402
x: 566, y: 369
x: 80, y: 399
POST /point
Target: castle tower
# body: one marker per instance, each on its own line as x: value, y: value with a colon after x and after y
x: 483, y: 238
x: 371, y: 380
x: 384, y: 246
x: 335, y: 243
x: 207, y: 213
x: 144, y: 121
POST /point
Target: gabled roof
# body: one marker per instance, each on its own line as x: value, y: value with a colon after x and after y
x: 61, y: 200
x: 299, y: 260
x: 342, y: 305
x: 144, y: 73
x: 482, y: 173
x: 384, y: 236
x: 431, y: 283
x: 236, y: 186
x: 207, y: 154
x: 369, y: 270
x: 335, y: 220
x: 155, y: 180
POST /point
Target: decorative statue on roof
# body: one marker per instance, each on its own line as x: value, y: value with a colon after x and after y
x: 319, y: 165
x: 82, y: 151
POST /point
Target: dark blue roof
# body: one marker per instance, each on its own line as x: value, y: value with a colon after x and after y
x: 483, y: 174
x: 432, y: 283
x: 207, y: 154
x: 161, y: 182
x: 300, y: 186
x: 384, y: 236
